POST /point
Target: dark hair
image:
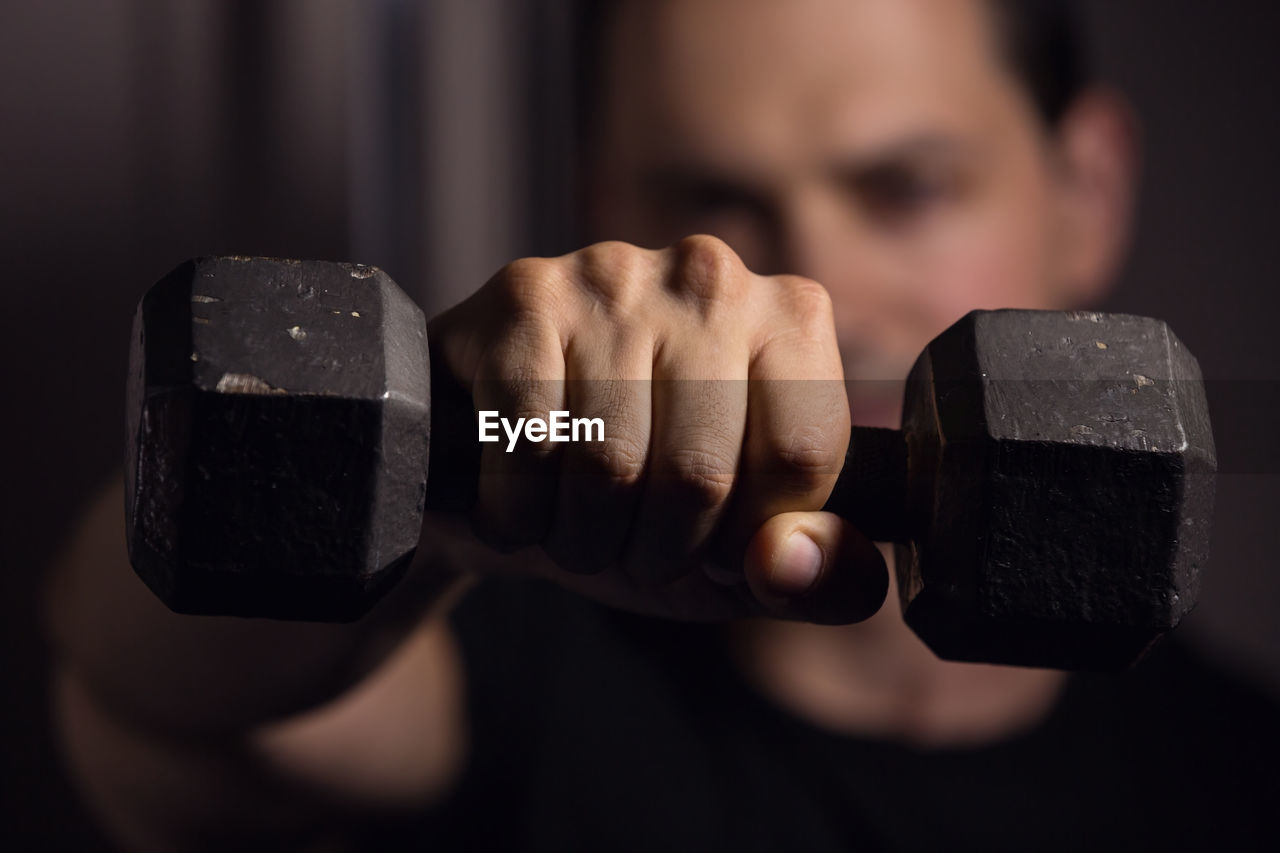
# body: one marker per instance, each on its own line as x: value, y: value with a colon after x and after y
x: 1040, y: 39
x: 1042, y: 43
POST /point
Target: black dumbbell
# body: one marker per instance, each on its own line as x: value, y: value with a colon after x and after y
x: 1052, y: 486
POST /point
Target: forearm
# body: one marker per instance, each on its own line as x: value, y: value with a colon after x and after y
x: 151, y: 793
x: 203, y: 675
x: 390, y: 746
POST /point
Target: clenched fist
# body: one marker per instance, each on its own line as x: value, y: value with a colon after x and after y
x: 725, y: 427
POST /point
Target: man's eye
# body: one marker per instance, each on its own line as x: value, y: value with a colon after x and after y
x: 715, y: 199
x: 895, y: 194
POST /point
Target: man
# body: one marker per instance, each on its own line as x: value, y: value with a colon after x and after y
x: 916, y: 158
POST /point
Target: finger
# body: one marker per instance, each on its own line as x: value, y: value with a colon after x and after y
x: 601, y: 481
x: 817, y: 567
x: 798, y: 423
x: 698, y: 426
x: 521, y: 378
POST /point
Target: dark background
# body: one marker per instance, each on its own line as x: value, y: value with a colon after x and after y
x: 137, y: 133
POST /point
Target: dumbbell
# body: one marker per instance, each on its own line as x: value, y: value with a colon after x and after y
x: 1051, y: 489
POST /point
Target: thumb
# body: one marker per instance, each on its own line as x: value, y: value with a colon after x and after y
x: 816, y: 567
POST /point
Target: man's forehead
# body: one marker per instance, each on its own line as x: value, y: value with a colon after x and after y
x: 694, y: 72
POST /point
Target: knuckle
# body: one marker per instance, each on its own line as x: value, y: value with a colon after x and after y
x: 537, y: 452
x: 613, y: 274
x: 804, y: 461
x: 610, y: 257
x: 808, y: 301
x: 530, y: 284
x: 701, y: 479
x: 707, y: 268
x: 618, y: 463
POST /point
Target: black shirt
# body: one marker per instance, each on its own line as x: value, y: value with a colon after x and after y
x: 598, y: 730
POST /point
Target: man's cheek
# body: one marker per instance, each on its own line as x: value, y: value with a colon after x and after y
x: 1006, y: 269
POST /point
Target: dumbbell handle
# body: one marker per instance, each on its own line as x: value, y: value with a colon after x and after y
x: 870, y: 491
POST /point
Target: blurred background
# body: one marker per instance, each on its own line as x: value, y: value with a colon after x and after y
x: 428, y: 137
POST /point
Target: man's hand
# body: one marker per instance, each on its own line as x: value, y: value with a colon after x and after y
x: 725, y: 427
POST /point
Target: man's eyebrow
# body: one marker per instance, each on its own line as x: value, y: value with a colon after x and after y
x: 699, y: 177
x: 683, y: 175
x: 916, y: 147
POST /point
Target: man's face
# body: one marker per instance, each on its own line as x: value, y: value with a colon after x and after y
x: 881, y: 147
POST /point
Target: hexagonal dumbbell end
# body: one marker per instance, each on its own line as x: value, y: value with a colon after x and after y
x: 1060, y: 488
x: 279, y: 470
